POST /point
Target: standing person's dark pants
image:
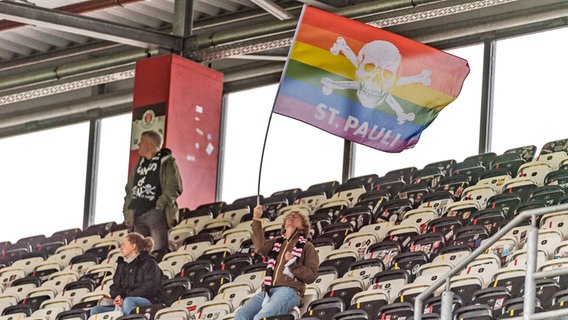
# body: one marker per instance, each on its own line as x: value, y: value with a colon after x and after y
x: 152, y: 223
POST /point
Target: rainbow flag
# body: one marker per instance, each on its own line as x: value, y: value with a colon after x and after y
x: 365, y: 84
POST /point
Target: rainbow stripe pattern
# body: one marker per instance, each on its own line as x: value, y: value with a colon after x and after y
x: 365, y: 84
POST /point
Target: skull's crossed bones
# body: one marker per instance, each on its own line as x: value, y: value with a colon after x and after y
x: 377, y: 74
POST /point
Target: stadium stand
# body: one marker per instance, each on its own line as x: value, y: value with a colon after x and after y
x: 381, y: 240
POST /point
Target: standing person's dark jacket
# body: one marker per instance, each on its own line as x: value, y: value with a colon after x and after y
x: 142, y: 277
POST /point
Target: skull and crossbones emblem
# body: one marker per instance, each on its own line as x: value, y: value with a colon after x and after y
x: 377, y: 67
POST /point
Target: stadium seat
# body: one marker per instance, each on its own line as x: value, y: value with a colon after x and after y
x: 419, y: 217
x: 556, y: 221
x: 535, y: 170
x: 414, y: 192
x: 463, y: 209
x: 512, y: 278
x: 178, y: 234
x: 514, y: 308
x: 474, y: 312
x: 214, y: 280
x: 234, y: 212
x: 437, y: 200
x: 548, y: 239
x: 494, y: 297
x: 553, y: 159
x: 370, y: 301
x: 495, y: 178
x: 326, y: 274
x: 325, y: 308
x: 510, y: 161
x: 519, y: 258
x: 503, y: 248
x: 380, y: 229
x: 522, y: 185
x: 234, y: 238
x: 391, y: 281
x: 430, y: 176
x: 236, y: 263
x: 429, y: 243
x: 358, y: 217
x: 311, y: 293
x: 172, y: 314
x: 344, y: 288
x: 340, y: 259
x: 403, y: 234
x: 213, y: 309
x: 551, y: 194
x: 234, y: 292
x: 472, y: 236
x: 430, y: 272
x: 452, y: 254
x: 172, y: 262
x: 464, y: 285
x: 409, y: 291
x: 394, y: 210
x: 492, y: 219
x: 479, y: 194
x: 385, y: 251
x: 349, y: 191
x: 483, y: 159
x: 405, y: 174
x: 192, y: 299
x: 310, y: 198
x: 351, y: 315
x: 397, y: 310
x: 433, y: 305
x: 359, y: 241
x: 472, y: 170
x: 409, y: 261
x: 484, y: 266
x: 367, y: 180
x: 364, y: 270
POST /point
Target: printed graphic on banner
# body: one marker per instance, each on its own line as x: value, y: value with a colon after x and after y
x: 365, y: 84
x: 150, y: 117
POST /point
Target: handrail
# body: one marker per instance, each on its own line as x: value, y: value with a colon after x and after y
x: 531, y: 261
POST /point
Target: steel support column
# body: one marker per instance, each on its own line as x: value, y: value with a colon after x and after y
x: 487, y: 89
x: 92, y: 169
x: 348, y: 157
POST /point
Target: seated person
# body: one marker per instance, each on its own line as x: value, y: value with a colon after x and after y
x: 137, y: 278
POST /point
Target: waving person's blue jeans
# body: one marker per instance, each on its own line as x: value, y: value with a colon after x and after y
x: 282, y: 300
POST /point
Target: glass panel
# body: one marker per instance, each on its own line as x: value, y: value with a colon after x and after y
x: 112, y: 175
x: 453, y: 135
x: 297, y: 155
x: 529, y: 104
x: 43, y: 181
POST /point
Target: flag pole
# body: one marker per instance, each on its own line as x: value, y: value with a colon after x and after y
x: 272, y: 111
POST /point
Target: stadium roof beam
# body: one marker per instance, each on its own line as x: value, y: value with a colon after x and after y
x: 87, y: 26
x: 273, y: 8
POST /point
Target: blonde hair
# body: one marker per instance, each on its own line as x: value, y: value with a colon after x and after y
x: 306, y: 224
x: 143, y: 244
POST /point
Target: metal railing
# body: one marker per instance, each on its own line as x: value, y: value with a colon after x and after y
x: 530, y: 278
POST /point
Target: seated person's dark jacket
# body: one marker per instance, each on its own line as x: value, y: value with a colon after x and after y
x: 140, y: 278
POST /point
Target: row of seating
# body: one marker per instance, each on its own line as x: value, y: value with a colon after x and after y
x: 379, y: 244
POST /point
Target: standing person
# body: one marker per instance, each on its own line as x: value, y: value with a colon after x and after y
x: 137, y: 278
x: 292, y: 263
x: 152, y: 190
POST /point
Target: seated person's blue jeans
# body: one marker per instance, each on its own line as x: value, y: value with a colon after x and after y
x: 129, y: 304
x: 282, y: 300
